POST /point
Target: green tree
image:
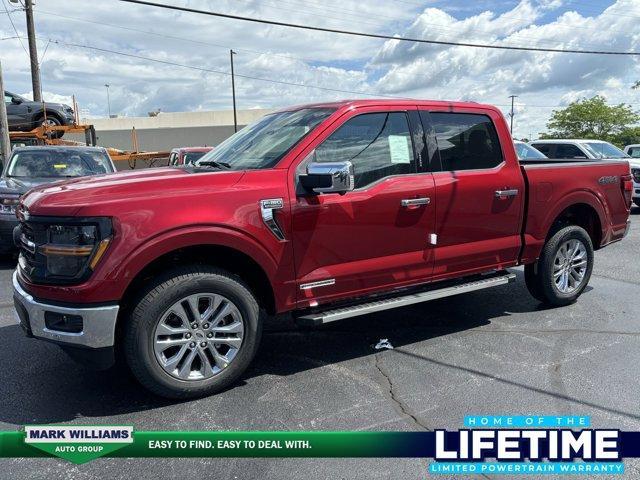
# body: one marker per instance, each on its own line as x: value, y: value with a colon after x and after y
x: 593, y: 118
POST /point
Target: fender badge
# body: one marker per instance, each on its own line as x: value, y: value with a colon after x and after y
x: 608, y: 180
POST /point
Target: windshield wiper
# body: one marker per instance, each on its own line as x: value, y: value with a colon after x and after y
x: 215, y: 164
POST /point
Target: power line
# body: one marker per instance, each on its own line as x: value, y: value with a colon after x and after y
x: 6, y: 10
x: 221, y: 72
x: 376, y: 35
x: 170, y: 37
x: 250, y: 77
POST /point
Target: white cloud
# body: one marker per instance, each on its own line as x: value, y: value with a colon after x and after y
x: 541, y: 80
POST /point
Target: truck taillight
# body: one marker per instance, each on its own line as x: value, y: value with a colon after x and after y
x: 626, y: 184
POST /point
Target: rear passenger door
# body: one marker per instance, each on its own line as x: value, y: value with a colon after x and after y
x: 479, y: 194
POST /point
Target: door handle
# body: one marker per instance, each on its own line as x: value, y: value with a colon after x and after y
x: 506, y: 193
x: 414, y: 202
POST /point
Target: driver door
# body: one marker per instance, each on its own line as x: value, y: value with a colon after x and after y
x: 368, y: 239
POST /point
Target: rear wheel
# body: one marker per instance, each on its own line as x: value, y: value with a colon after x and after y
x: 193, y: 333
x: 564, y: 268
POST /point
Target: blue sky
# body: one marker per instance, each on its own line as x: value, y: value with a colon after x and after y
x: 321, y: 63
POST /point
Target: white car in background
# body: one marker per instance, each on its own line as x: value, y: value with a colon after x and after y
x: 634, y: 152
x: 593, y: 150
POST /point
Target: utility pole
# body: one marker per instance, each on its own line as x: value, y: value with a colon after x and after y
x: 33, y: 52
x: 512, y: 97
x: 5, y: 145
x: 108, y: 100
x: 233, y: 93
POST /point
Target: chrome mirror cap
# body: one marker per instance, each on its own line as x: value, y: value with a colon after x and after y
x: 333, y: 177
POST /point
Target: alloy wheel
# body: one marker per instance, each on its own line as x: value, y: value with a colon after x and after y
x: 570, y: 266
x: 198, y: 336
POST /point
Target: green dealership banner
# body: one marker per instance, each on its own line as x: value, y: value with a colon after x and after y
x: 80, y: 444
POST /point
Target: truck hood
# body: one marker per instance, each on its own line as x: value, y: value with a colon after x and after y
x: 19, y: 185
x: 69, y: 197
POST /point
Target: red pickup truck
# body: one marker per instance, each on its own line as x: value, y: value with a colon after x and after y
x: 327, y: 211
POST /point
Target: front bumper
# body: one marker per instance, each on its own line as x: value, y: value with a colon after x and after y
x: 98, y: 323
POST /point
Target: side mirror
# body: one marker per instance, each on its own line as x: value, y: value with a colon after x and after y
x: 334, y: 177
x: 16, y: 101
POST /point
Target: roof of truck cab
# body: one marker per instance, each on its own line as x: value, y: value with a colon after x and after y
x: 388, y: 101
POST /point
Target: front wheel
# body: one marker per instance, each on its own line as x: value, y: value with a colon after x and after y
x: 193, y: 332
x: 564, y: 268
x: 52, y: 121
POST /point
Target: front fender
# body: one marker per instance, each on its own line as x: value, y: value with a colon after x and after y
x: 173, y: 240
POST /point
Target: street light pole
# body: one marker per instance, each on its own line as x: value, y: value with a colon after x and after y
x: 512, y: 97
x: 233, y: 93
x: 33, y: 52
x: 108, y: 100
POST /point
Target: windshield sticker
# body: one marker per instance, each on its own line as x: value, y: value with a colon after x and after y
x: 59, y: 166
x: 399, y: 148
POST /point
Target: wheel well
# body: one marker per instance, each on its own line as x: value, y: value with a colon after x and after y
x: 49, y: 114
x: 582, y: 215
x: 226, y: 258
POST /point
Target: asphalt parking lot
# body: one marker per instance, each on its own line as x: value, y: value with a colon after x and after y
x: 491, y: 352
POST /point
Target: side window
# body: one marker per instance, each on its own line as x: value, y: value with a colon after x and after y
x: 7, y: 98
x: 466, y: 141
x: 634, y: 152
x: 378, y: 145
x: 565, y: 150
x: 544, y: 148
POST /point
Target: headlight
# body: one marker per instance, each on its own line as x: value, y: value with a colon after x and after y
x: 71, y: 248
x: 8, y: 204
x: 62, y: 251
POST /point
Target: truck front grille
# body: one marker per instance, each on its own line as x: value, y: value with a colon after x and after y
x: 31, y: 235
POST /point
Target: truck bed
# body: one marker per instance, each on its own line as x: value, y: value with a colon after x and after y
x: 554, y: 185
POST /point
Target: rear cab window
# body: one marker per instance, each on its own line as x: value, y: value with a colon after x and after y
x: 464, y: 141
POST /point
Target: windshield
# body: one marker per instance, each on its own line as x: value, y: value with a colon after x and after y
x: 264, y: 143
x: 527, y: 152
x: 58, y: 163
x: 604, y: 150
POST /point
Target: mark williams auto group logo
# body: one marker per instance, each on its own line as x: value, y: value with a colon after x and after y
x: 78, y: 444
x: 513, y: 439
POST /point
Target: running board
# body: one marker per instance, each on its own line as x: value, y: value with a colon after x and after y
x: 319, y: 318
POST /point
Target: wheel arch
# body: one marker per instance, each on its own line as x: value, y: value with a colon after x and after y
x: 583, y: 215
x: 232, y: 251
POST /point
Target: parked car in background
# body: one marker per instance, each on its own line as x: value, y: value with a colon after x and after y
x: 633, y: 150
x: 24, y: 115
x: 32, y: 166
x: 327, y: 211
x: 187, y: 155
x: 527, y: 152
x: 578, y: 149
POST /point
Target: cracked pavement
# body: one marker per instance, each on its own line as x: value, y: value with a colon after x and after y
x: 496, y: 351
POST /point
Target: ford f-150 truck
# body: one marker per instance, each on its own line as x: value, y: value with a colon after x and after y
x: 327, y: 211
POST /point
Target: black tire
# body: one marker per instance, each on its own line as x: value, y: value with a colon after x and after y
x: 53, y: 121
x: 637, y: 202
x: 539, y: 276
x: 161, y: 294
